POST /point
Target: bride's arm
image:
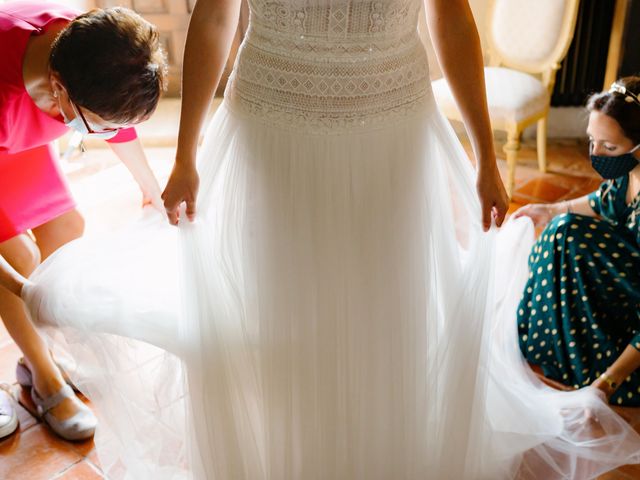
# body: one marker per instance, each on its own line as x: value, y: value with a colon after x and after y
x: 10, y: 279
x: 209, y: 37
x: 457, y: 45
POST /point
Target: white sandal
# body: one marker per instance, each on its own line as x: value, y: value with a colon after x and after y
x: 80, y: 426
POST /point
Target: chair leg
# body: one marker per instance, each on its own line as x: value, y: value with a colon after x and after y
x: 541, y: 138
x: 511, y: 151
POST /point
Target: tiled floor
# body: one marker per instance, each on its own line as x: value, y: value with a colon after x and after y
x: 34, y: 453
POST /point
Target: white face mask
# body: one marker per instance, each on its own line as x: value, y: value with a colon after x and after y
x: 80, y: 126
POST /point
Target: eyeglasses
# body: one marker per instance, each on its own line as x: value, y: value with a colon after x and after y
x: 106, y: 134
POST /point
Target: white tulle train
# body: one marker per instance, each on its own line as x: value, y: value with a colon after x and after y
x: 334, y: 313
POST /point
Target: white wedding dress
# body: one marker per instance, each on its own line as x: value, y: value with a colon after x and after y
x: 335, y: 312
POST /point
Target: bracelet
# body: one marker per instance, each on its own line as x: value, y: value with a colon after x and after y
x: 613, y: 385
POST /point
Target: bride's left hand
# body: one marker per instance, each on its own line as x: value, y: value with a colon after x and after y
x: 182, y: 187
x: 493, y: 197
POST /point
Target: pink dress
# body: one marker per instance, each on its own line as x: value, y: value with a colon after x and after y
x: 33, y: 190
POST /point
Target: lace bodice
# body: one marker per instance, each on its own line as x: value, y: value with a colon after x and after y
x: 331, y: 64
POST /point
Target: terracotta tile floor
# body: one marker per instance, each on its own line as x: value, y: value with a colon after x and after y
x: 34, y: 453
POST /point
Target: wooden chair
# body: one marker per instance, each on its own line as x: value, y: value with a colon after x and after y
x: 527, y: 40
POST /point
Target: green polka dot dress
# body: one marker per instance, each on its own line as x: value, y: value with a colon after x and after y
x: 580, y: 307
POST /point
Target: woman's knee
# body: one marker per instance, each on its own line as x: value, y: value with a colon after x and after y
x: 69, y: 225
x: 22, y: 253
x: 58, y: 232
x: 76, y: 224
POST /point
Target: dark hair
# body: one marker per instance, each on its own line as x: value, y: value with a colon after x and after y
x: 111, y: 63
x: 615, y: 105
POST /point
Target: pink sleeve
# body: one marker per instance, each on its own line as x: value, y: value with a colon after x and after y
x: 124, y: 135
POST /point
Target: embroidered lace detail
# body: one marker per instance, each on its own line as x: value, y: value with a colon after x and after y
x: 336, y: 18
x: 330, y: 66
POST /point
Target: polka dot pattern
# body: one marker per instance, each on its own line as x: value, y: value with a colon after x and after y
x: 580, y: 307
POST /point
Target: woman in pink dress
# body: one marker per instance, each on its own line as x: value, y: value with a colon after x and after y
x: 98, y: 73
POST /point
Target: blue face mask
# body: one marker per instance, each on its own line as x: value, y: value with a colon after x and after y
x: 614, y: 167
x: 79, y: 125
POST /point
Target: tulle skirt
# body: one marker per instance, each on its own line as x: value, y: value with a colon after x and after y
x: 334, y: 313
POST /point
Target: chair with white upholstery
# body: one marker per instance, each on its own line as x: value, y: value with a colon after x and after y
x: 527, y: 40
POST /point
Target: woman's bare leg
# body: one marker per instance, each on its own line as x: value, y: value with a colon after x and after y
x: 25, y: 255
x: 59, y: 231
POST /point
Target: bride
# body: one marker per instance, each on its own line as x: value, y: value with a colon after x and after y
x: 333, y: 310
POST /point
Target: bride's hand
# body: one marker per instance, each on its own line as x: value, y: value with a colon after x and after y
x: 181, y: 187
x: 493, y: 197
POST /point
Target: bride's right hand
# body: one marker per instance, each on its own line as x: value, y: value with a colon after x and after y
x: 493, y: 197
x: 181, y: 187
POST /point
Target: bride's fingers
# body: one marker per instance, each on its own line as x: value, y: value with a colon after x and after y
x: 486, y: 215
x: 171, y: 206
x: 501, y: 212
x: 173, y: 216
x: 172, y: 209
x: 191, y: 210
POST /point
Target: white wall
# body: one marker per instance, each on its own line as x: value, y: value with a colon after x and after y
x: 79, y: 4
